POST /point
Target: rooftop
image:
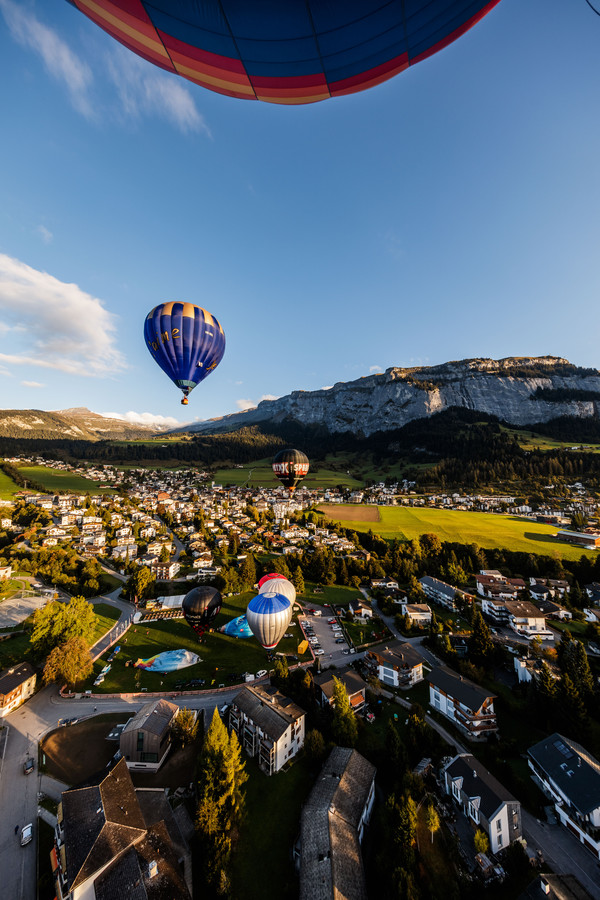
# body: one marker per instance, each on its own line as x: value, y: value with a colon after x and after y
x: 575, y: 771
x: 459, y: 687
x: 270, y: 710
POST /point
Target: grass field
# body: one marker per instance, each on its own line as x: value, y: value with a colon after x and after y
x: 55, y: 480
x: 7, y: 487
x: 107, y: 616
x: 488, y: 530
x: 530, y: 440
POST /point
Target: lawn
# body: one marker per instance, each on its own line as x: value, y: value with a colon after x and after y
x: 107, y: 616
x: 488, y: 530
x: 7, y: 487
x: 328, y: 595
x: 55, y: 480
x: 273, y: 807
x: 10, y: 586
x: 220, y: 655
x: 16, y: 649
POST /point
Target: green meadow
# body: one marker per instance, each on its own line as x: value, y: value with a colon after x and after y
x: 488, y: 530
x: 7, y: 487
x: 260, y: 474
x: 55, y: 480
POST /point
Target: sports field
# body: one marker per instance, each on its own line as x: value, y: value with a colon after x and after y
x: 488, y: 530
x: 55, y: 480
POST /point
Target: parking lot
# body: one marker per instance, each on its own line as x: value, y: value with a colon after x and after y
x: 323, y: 632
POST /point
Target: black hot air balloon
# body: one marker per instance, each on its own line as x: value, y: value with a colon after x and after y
x: 200, y: 607
x: 291, y: 466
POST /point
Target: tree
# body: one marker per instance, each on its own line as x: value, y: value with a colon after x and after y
x: 575, y: 664
x: 248, y: 570
x: 220, y: 804
x: 185, y: 726
x: 432, y: 819
x: 139, y: 583
x: 298, y: 580
x: 480, y: 839
x: 314, y: 745
x: 481, y: 646
x: 344, y: 727
x: 57, y: 622
x: 68, y: 663
x: 164, y: 555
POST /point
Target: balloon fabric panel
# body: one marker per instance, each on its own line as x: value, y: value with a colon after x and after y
x: 295, y: 51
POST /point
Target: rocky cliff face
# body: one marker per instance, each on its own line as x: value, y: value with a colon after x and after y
x: 505, y: 388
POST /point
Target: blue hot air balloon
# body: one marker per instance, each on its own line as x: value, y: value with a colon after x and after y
x: 186, y: 341
x: 268, y: 616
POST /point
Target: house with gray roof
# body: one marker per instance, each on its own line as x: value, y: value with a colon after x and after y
x: 439, y: 591
x: 483, y: 800
x: 463, y: 702
x: 356, y: 687
x: 104, y: 847
x: 570, y: 776
x: 146, y: 739
x: 17, y: 684
x: 328, y: 850
x: 269, y: 725
x: 397, y: 664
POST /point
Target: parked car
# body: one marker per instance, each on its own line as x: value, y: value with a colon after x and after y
x: 319, y: 652
x: 28, y: 765
x: 331, y: 621
x: 27, y: 834
x: 261, y: 673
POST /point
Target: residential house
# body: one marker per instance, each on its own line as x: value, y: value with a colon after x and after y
x: 485, y: 802
x: 5, y: 572
x: 360, y: 611
x: 439, y: 591
x: 418, y: 613
x: 165, y: 571
x: 17, y: 684
x: 355, y: 687
x: 397, y: 664
x: 570, y: 776
x: 146, y: 739
x: 527, y: 620
x: 106, y: 846
x: 465, y: 703
x: 333, y: 821
x: 269, y: 725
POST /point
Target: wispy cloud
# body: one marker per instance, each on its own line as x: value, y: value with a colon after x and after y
x: 33, y: 384
x: 62, y: 327
x: 144, y: 418
x: 268, y: 397
x: 375, y: 369
x: 141, y: 89
x: 61, y: 62
x: 394, y: 245
x: 45, y: 234
x: 326, y: 387
x: 245, y: 404
x: 145, y: 91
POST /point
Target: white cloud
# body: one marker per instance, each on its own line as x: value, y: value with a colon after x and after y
x: 145, y: 90
x: 375, y: 369
x: 33, y: 384
x: 268, y: 397
x: 45, y: 234
x: 145, y: 418
x: 245, y: 404
x: 63, y: 64
x: 326, y: 387
x: 62, y: 327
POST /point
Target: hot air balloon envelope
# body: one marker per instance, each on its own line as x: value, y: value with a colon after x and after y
x: 200, y: 607
x: 291, y: 51
x: 279, y: 586
x: 290, y: 466
x: 238, y: 628
x: 186, y: 341
x: 268, y: 616
x: 269, y: 577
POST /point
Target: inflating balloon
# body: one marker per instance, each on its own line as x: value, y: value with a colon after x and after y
x: 278, y: 585
x: 285, y: 51
x: 200, y: 607
x: 186, y: 341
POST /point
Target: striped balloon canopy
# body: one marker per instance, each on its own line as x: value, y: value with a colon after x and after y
x: 279, y: 585
x: 285, y: 51
x: 186, y: 341
x: 268, y: 616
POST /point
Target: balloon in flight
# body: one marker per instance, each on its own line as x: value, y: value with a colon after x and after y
x: 268, y: 616
x: 201, y: 606
x: 186, y: 341
x: 290, y: 51
x: 291, y: 466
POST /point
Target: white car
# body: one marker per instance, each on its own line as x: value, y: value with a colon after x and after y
x: 261, y: 673
x: 319, y: 652
x: 26, y: 834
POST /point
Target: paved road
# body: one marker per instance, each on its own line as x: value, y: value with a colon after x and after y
x: 562, y: 851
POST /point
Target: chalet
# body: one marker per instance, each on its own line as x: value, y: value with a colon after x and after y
x: 385, y: 583
x: 483, y: 800
x: 360, y: 610
x: 465, y: 703
x: 105, y: 846
x: 397, y: 664
x: 327, y: 852
x: 146, y: 739
x: 269, y: 726
x: 570, y: 776
x: 527, y: 620
x: 17, y: 684
x: 355, y: 687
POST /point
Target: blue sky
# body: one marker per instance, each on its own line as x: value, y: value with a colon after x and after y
x: 449, y: 213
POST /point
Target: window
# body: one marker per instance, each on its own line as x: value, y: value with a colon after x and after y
x: 499, y: 840
x: 455, y: 790
x: 140, y: 741
x: 499, y: 825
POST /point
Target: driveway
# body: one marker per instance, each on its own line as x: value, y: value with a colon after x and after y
x: 562, y: 851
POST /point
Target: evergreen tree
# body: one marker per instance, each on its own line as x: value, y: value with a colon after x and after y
x: 571, y: 710
x: 565, y: 639
x: 344, y: 727
x: 544, y: 695
x: 248, y: 571
x: 298, y: 580
x: 576, y: 666
x: 481, y: 646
